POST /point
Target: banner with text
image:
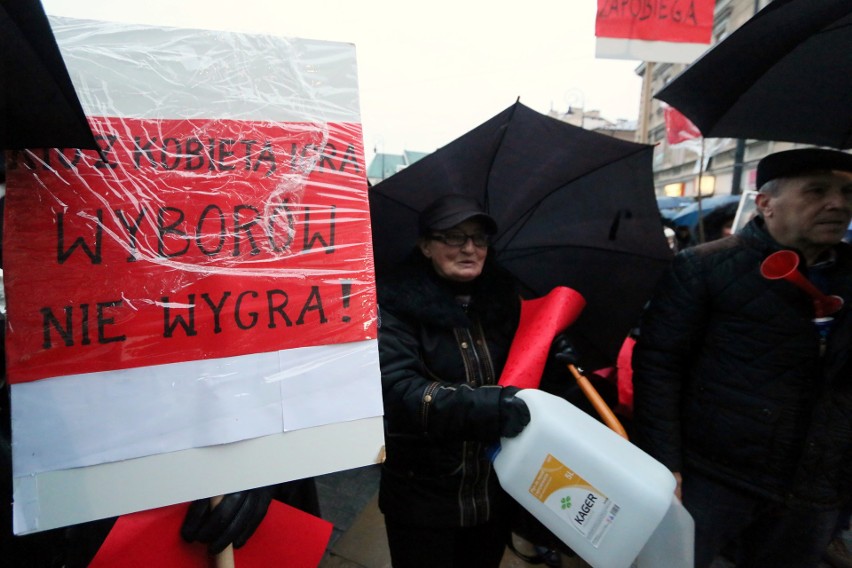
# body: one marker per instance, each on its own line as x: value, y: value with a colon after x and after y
x: 207, y: 277
x: 186, y: 240
x: 672, y: 31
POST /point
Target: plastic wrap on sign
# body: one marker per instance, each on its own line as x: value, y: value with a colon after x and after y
x: 216, y: 249
x: 186, y: 240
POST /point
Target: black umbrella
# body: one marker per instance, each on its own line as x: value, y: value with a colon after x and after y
x: 574, y: 208
x: 39, y: 107
x: 784, y: 75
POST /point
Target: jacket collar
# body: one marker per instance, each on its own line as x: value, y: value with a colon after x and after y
x: 415, y: 290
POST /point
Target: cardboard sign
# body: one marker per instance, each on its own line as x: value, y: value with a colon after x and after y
x: 202, y: 282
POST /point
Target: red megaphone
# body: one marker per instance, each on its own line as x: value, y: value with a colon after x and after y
x: 784, y: 264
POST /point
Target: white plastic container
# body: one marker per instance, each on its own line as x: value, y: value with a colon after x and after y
x: 673, y: 543
x: 596, y: 491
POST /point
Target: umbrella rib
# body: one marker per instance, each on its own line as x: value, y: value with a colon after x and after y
x: 504, y: 128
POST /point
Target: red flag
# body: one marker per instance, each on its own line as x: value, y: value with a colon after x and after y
x: 678, y: 127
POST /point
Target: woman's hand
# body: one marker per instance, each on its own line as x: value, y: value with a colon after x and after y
x: 514, y: 413
x: 232, y: 521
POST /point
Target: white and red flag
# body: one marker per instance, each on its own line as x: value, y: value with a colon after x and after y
x: 207, y: 278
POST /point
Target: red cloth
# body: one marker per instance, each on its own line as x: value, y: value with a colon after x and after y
x: 541, y: 319
x: 286, y: 537
x: 678, y: 127
x: 625, y: 377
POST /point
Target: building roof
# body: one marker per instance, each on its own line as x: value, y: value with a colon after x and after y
x: 385, y: 165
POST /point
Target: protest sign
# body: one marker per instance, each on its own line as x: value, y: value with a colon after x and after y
x: 205, y: 279
x: 673, y: 31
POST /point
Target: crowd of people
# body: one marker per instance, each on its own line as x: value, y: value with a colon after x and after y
x: 741, y: 389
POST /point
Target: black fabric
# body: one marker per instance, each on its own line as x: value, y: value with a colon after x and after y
x: 39, y: 107
x: 481, y: 546
x: 728, y: 377
x: 783, y: 75
x: 755, y: 532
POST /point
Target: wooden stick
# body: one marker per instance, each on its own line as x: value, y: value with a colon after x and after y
x: 598, y: 403
x: 224, y: 559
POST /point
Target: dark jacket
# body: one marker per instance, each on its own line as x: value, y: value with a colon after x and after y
x: 730, y: 377
x: 441, y: 359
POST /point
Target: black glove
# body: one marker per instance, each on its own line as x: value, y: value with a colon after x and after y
x: 232, y: 521
x: 514, y: 413
x: 563, y: 351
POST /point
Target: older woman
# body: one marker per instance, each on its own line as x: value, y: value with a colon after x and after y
x: 447, y: 318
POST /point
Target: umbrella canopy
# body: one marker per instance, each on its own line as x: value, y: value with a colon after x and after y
x: 784, y: 75
x: 670, y: 206
x: 688, y: 216
x: 39, y: 107
x: 574, y: 208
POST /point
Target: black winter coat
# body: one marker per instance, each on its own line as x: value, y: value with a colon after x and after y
x: 730, y: 378
x: 441, y: 361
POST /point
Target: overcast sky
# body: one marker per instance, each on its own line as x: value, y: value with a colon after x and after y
x: 428, y: 71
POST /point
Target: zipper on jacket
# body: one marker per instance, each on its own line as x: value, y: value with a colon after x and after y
x: 425, y: 403
x: 487, y: 365
x: 479, y: 369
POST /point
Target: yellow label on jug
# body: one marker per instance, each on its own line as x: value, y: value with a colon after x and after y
x: 574, y: 499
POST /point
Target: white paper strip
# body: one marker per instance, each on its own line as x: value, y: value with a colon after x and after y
x: 131, y: 413
x: 641, y: 50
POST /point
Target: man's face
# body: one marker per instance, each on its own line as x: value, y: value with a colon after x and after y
x: 811, y: 212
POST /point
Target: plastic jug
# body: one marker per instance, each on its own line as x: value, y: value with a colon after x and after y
x: 673, y: 543
x: 596, y: 491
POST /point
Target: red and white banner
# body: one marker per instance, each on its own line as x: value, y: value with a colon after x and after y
x: 207, y: 278
x: 673, y: 31
x: 184, y: 241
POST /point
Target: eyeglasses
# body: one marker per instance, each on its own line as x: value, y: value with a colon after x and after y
x: 459, y: 239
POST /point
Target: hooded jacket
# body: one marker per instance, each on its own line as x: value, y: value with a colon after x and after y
x: 733, y: 378
x: 442, y: 346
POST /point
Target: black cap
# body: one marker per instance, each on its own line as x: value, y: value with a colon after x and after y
x: 450, y: 210
x: 792, y: 163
